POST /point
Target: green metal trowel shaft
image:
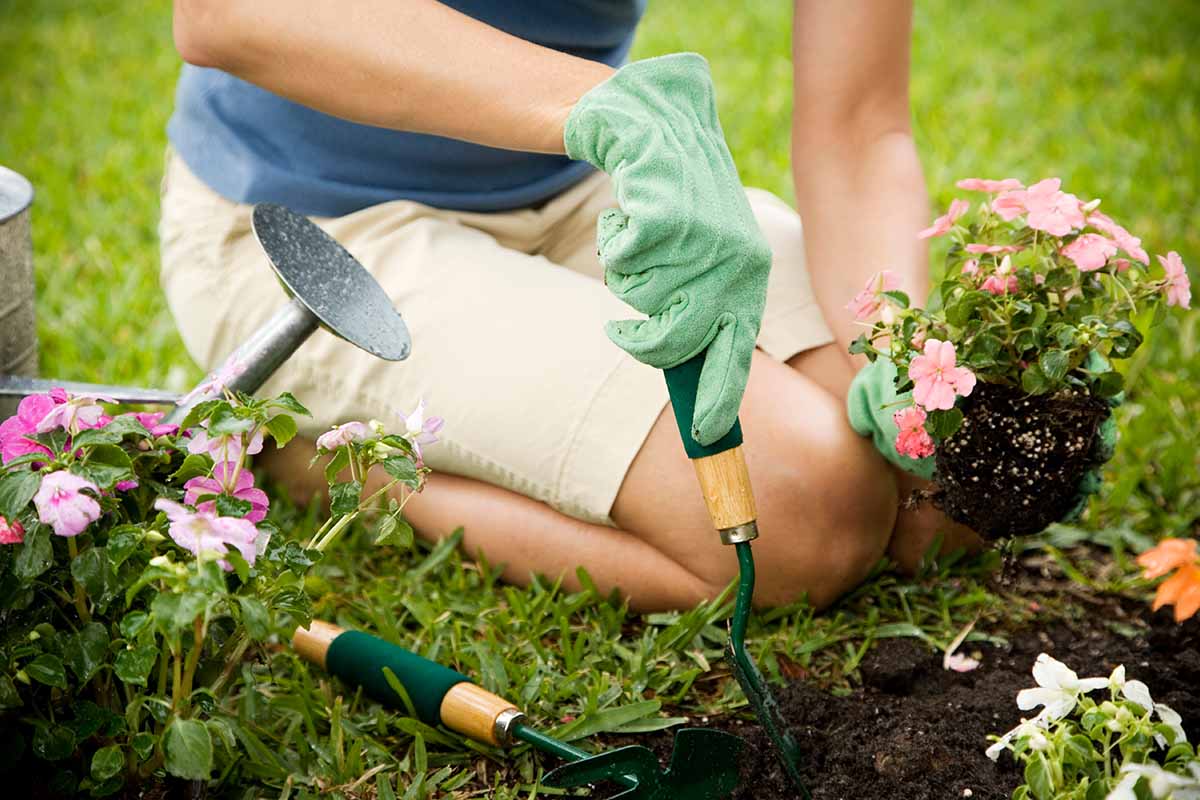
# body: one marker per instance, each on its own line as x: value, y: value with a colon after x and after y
x: 559, y: 748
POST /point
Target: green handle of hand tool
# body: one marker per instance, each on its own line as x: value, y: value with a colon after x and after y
x: 682, y: 382
x: 360, y: 658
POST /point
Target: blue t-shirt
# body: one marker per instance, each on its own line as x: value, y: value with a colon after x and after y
x: 253, y: 146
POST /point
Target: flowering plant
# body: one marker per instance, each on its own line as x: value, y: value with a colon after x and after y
x: 139, y: 573
x: 1182, y: 590
x: 1041, y: 291
x: 1126, y: 747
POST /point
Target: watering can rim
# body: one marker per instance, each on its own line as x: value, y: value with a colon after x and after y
x: 16, y: 193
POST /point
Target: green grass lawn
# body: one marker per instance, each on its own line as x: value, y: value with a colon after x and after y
x: 1102, y: 93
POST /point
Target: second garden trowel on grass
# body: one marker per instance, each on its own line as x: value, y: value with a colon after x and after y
x: 704, y: 762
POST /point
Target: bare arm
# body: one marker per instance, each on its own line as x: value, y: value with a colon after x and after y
x: 859, y: 186
x: 416, y: 66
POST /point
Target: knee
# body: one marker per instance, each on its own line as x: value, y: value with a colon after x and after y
x: 837, y: 526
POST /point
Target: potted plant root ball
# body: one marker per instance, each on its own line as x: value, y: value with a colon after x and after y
x: 1001, y: 392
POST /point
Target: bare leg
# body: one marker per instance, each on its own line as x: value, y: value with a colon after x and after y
x: 827, y: 505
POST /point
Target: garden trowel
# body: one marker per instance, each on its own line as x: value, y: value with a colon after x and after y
x: 704, y: 762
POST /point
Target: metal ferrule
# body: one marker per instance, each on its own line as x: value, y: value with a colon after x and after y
x: 503, y: 726
x: 739, y: 533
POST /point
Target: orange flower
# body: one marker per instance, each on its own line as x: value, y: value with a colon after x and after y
x: 1183, y: 588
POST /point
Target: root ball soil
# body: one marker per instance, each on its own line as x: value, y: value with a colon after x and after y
x: 1015, y: 464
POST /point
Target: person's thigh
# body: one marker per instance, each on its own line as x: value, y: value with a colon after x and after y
x: 507, y: 347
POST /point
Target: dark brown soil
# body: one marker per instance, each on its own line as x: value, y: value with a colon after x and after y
x: 918, y: 732
x: 1015, y: 464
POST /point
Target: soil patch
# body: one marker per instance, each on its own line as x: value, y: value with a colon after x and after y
x: 916, y: 731
x: 1015, y: 464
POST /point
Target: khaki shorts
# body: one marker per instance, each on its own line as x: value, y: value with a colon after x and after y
x: 507, y: 315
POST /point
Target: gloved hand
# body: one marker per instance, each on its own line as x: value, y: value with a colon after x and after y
x: 872, y: 400
x: 684, y: 247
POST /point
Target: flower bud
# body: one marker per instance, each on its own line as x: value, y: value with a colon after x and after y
x: 155, y: 536
x: 34, y: 636
x: 22, y: 676
x: 1038, y: 741
x: 377, y: 427
x: 1092, y: 206
x: 1113, y: 725
x: 161, y: 561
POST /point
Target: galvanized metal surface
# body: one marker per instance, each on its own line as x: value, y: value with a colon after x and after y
x: 330, y: 282
x: 18, y: 329
x: 21, y: 386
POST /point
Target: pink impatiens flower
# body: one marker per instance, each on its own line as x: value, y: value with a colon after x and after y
x: 1124, y: 239
x: 944, y: 223
x: 1003, y: 281
x: 79, y: 412
x: 226, y: 447
x: 992, y: 248
x: 1051, y: 210
x: 1009, y: 205
x: 985, y: 185
x: 11, y: 532
x: 1179, y: 286
x: 63, y: 506
x: 1090, y: 252
x: 17, y: 430
x: 342, y: 435
x: 912, y: 440
x: 420, y: 430
x: 936, y: 378
x: 216, y: 383
x: 222, y: 482
x: 153, y: 422
x: 971, y: 267
x: 203, y: 533
x: 868, y: 301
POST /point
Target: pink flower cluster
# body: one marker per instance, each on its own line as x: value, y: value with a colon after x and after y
x: 224, y: 447
x: 227, y: 480
x: 11, y: 532
x: 868, y: 302
x: 203, y: 533
x: 937, y: 381
x: 62, y: 504
x: 912, y: 440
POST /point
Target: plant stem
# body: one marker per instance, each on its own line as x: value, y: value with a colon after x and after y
x: 80, y: 598
x: 193, y: 657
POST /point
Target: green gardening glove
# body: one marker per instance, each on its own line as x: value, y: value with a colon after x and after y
x: 872, y: 400
x: 683, y: 248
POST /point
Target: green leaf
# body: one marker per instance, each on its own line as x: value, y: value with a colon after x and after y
x: 1038, y: 778
x: 16, y: 490
x: 9, y: 696
x: 963, y: 307
x: 133, y: 666
x: 254, y: 617
x: 106, y: 465
x: 35, y: 555
x: 860, y: 345
x: 344, y: 497
x: 226, y: 421
x: 1034, y: 381
x: 339, y: 461
x: 942, y: 424
x: 143, y: 745
x: 228, y: 506
x: 402, y: 469
x: 53, y: 742
x: 282, y: 429
x: 122, y: 543
x: 897, y: 297
x: 1108, y: 384
x: 85, y: 650
x: 95, y: 573
x: 107, y: 762
x: 394, y: 530
x: 200, y: 412
x: 1054, y: 364
x: 48, y: 669
x: 189, y: 751
x: 194, y: 466
x: 133, y: 623
x: 289, y: 403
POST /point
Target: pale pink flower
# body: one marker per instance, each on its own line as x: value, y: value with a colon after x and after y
x: 1000, y: 284
x: 153, y: 422
x: 222, y: 482
x: 869, y: 301
x: 992, y: 248
x: 918, y: 339
x: 1122, y: 264
x: 985, y: 185
x: 125, y: 486
x: 960, y: 663
x: 17, y: 431
x: 63, y: 506
x: 1009, y: 205
x: 11, y: 532
x: 227, y: 447
x: 79, y: 412
x: 944, y: 223
x: 1179, y: 286
x: 420, y: 430
x: 216, y: 383
x: 1124, y: 239
x: 1090, y: 251
x: 203, y: 533
x: 937, y: 379
x: 912, y: 440
x: 342, y: 435
x: 971, y: 267
x: 1053, y: 211
x: 1039, y: 278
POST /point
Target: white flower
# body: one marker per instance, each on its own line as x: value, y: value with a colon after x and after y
x: 1173, y: 721
x: 1139, y: 693
x: 342, y: 435
x: 1031, y: 728
x: 1058, y: 688
x: 1163, y: 785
